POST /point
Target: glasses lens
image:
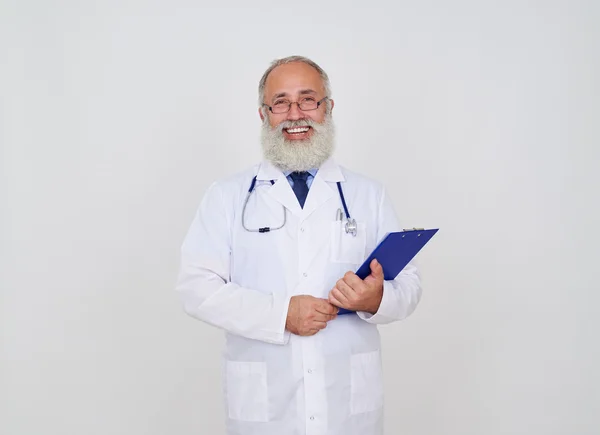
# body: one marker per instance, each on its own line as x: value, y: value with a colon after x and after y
x: 308, y: 104
x: 281, y: 107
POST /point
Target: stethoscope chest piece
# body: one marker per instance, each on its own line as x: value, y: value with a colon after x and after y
x: 351, y: 227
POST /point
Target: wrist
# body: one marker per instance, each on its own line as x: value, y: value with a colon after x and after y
x: 376, y: 302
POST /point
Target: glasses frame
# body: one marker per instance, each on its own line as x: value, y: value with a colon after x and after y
x: 298, y: 104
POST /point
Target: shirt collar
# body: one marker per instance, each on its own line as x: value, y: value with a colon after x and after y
x: 312, y: 171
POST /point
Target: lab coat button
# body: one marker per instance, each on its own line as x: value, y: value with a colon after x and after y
x: 312, y: 417
x: 305, y: 274
x: 302, y: 229
x: 309, y: 370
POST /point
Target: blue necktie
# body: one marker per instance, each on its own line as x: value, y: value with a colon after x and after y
x: 300, y: 186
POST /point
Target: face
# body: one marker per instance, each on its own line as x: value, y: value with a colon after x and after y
x: 294, y: 82
x: 297, y: 140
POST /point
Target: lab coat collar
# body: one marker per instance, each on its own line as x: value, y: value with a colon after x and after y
x: 319, y: 193
x: 329, y: 171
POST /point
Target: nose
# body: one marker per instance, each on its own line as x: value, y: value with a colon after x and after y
x: 294, y: 113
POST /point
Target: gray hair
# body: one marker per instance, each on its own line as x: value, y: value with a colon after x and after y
x: 290, y: 59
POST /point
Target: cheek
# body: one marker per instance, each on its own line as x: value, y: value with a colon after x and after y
x: 274, y: 121
x: 317, y: 117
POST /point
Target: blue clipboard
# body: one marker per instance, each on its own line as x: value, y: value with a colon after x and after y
x: 394, y: 252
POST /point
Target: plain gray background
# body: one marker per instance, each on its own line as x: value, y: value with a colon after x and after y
x: 481, y: 118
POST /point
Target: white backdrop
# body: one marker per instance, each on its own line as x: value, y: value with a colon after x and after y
x: 481, y: 117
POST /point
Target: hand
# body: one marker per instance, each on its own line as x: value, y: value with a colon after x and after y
x: 353, y: 293
x: 307, y: 315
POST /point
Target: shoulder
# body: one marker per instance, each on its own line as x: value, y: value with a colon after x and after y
x: 360, y: 181
x: 234, y: 183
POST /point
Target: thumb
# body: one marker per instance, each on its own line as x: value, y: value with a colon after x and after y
x: 376, y: 269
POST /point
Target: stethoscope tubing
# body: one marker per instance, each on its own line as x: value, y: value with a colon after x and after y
x: 350, y: 223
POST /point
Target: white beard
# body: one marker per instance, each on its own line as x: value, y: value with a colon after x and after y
x: 298, y: 155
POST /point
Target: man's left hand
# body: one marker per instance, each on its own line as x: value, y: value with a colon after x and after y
x: 353, y: 293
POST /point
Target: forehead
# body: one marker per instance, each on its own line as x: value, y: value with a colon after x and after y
x: 291, y: 78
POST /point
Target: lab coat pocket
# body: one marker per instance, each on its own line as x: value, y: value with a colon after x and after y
x: 247, y: 398
x: 366, y: 382
x: 346, y: 248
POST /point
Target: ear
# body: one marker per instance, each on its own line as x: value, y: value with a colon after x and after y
x: 332, y: 104
x: 261, y: 114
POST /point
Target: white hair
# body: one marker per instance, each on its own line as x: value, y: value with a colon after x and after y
x: 290, y: 59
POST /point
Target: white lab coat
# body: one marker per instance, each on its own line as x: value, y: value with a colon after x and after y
x: 275, y: 382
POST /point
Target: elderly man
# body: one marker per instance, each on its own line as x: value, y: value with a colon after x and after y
x: 269, y: 258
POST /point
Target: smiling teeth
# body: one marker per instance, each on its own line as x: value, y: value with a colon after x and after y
x: 298, y: 130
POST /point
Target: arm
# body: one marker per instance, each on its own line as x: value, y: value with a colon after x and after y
x: 401, y: 295
x: 204, y: 282
x: 374, y: 299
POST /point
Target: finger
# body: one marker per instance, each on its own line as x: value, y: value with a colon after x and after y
x: 316, y: 326
x: 339, y: 298
x: 320, y: 317
x: 345, y: 289
x: 325, y: 307
x: 352, y: 280
x: 311, y: 332
x: 320, y: 325
x: 334, y: 301
x: 376, y: 269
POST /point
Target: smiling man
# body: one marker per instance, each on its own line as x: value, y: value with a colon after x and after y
x: 269, y: 259
x: 297, y: 131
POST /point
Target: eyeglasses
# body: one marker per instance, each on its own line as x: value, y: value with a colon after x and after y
x: 305, y: 104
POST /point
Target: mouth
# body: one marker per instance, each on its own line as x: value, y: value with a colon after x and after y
x: 296, y: 133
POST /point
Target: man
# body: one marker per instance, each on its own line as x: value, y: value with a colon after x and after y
x: 268, y: 259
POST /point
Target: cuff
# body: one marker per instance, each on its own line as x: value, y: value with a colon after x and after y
x: 284, y: 333
x: 386, y: 307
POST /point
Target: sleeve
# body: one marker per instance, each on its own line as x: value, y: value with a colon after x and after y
x: 401, y: 295
x: 204, y: 285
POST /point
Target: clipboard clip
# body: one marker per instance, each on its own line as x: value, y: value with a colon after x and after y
x: 413, y: 229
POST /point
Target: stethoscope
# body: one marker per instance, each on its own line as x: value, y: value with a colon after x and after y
x: 350, y: 226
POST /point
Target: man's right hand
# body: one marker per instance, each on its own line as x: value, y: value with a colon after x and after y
x: 307, y: 315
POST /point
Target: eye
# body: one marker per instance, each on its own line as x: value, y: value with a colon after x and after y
x: 308, y: 100
x: 280, y: 103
